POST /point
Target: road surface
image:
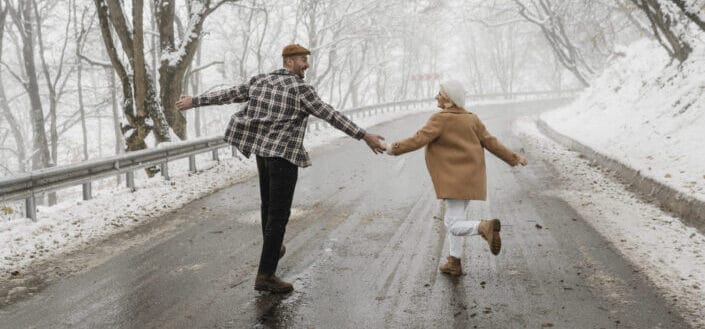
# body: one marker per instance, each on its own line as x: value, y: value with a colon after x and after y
x: 363, y: 247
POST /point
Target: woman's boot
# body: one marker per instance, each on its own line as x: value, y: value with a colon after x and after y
x: 452, y: 267
x: 489, y: 230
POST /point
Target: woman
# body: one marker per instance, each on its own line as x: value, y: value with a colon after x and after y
x: 455, y: 140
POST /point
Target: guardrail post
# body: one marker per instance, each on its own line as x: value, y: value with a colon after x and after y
x: 164, y: 168
x: 130, y: 179
x: 234, y: 152
x: 30, y: 208
x: 87, y: 191
x: 192, y: 163
x: 215, y: 155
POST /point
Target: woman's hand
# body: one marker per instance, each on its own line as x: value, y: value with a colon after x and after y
x: 523, y: 161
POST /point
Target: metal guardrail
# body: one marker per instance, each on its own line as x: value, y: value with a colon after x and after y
x: 28, y: 186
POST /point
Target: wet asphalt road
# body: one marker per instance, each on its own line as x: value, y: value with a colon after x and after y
x: 363, y: 248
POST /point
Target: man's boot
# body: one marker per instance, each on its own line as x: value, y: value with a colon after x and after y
x: 271, y: 283
x: 489, y: 230
x: 452, y: 267
x: 282, y: 251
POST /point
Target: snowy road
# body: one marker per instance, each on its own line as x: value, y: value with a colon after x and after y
x: 363, y: 249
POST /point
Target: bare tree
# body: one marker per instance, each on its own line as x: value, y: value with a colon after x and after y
x: 545, y: 15
x: 666, y: 27
x: 80, y: 33
x: 692, y: 11
x: 177, y: 55
x: 107, y: 68
x: 22, y: 15
x: 140, y: 99
x: 7, y: 114
x: 505, y: 56
x: 55, y: 78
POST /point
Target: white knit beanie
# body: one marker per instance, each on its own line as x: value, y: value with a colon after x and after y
x: 455, y: 92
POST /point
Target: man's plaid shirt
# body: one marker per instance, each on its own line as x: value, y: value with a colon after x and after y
x: 273, y: 122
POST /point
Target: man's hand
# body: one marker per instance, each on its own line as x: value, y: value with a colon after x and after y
x: 184, y: 103
x: 523, y: 161
x: 374, y: 142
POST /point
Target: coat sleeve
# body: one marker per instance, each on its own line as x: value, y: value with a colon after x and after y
x: 235, y: 94
x: 493, y: 145
x: 423, y: 137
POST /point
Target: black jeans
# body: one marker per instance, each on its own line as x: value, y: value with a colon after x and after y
x: 277, y: 181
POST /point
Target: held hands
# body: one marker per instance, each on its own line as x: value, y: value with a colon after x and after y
x: 184, y: 103
x: 388, y: 147
x: 374, y: 142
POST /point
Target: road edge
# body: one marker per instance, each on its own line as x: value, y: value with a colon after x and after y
x: 689, y: 210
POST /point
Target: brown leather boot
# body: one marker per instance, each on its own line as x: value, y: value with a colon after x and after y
x: 452, y: 267
x: 271, y: 283
x: 489, y: 230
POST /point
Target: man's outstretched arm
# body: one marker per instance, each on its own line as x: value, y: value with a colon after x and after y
x: 314, y: 105
x: 236, y: 94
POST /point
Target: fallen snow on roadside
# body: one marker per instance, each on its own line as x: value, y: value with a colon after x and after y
x: 670, y: 253
x: 77, y: 224
x: 647, y: 112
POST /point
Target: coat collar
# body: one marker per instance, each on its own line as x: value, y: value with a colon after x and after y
x: 283, y: 72
x: 454, y: 109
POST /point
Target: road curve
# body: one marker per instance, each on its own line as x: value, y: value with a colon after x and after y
x: 363, y: 247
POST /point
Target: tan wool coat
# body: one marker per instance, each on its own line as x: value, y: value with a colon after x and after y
x: 455, y: 140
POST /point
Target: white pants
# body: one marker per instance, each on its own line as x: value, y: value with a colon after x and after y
x: 457, y: 226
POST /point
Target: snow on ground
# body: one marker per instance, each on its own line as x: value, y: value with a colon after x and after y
x: 646, y: 113
x: 671, y: 254
x: 76, y: 224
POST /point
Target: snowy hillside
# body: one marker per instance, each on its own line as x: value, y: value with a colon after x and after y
x: 647, y: 113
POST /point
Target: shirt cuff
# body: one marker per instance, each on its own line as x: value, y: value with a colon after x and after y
x: 196, y: 101
x: 361, y: 133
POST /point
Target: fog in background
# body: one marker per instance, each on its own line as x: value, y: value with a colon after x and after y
x: 85, y: 79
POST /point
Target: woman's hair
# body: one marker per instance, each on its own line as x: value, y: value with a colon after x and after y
x: 448, y: 103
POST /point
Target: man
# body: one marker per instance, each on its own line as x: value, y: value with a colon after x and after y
x: 272, y: 126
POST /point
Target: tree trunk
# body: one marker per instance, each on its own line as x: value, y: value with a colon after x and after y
x: 79, y: 81
x: 5, y: 106
x: 691, y: 13
x: 119, y: 142
x: 195, y: 90
x: 663, y: 24
x: 140, y: 79
x: 40, y: 149
x: 173, y: 68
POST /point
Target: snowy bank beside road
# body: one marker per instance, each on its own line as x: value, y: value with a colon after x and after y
x: 668, y: 252
x: 646, y: 113
x: 77, y: 224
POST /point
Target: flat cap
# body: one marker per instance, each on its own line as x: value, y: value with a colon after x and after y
x: 295, y: 49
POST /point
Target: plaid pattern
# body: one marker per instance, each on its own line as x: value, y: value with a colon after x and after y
x: 273, y: 122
